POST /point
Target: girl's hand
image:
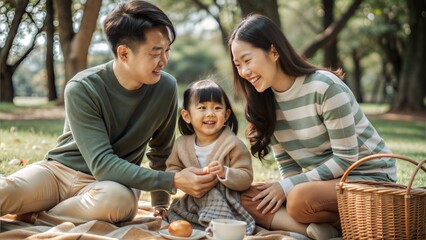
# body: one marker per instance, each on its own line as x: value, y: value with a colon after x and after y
x: 272, y: 196
x: 161, y: 211
x: 216, y: 168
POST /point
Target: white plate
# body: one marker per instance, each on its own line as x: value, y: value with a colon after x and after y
x: 196, y: 234
x: 210, y: 237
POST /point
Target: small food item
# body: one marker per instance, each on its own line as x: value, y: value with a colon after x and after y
x: 206, y: 170
x: 180, y: 228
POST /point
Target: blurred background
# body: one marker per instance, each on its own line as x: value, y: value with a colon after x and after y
x: 380, y: 44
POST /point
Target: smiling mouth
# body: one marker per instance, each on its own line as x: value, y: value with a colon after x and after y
x: 254, y: 80
x: 157, y: 71
x: 209, y: 122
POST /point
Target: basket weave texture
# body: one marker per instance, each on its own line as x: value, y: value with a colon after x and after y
x: 382, y: 210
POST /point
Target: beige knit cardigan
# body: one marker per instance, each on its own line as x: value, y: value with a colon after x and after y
x: 228, y: 149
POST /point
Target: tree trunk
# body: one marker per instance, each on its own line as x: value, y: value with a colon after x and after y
x: 392, y: 46
x: 411, y: 91
x: 268, y: 8
x: 50, y: 69
x: 357, y: 88
x: 377, y: 90
x: 75, y: 46
x: 7, y: 92
x: 331, y: 59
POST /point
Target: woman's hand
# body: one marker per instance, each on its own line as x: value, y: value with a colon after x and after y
x: 217, y: 168
x: 272, y: 196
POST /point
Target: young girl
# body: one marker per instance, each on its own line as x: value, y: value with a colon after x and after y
x: 209, y: 127
x: 313, y: 123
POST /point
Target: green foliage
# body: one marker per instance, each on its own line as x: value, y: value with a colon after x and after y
x: 191, y: 60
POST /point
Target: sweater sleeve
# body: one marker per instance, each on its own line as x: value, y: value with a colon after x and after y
x: 339, y: 122
x: 286, y: 165
x: 161, y: 145
x: 173, y: 163
x: 88, y: 129
x: 240, y: 171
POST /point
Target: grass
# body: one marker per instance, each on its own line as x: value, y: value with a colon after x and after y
x: 31, y: 139
x: 26, y: 140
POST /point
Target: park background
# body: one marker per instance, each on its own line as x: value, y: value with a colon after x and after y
x: 380, y: 44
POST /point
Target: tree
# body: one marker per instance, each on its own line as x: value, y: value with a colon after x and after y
x: 331, y: 32
x: 331, y: 58
x: 268, y: 8
x: 390, y: 36
x: 50, y: 69
x: 75, y: 44
x: 412, y: 85
x: 20, y: 19
x: 216, y: 11
x: 219, y: 11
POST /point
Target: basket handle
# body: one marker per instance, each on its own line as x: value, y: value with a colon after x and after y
x: 419, y: 165
x: 407, y: 198
x: 389, y: 155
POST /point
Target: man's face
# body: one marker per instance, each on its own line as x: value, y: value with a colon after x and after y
x: 145, y: 63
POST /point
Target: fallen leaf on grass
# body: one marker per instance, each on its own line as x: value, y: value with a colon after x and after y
x: 18, y: 162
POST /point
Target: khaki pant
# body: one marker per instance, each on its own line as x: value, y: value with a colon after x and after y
x: 56, y: 194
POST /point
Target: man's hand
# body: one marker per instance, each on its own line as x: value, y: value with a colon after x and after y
x: 272, y: 196
x: 217, y: 168
x: 194, y: 181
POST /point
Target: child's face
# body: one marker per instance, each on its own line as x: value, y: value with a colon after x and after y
x: 207, y: 119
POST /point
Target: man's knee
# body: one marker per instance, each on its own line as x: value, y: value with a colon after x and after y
x: 112, y: 197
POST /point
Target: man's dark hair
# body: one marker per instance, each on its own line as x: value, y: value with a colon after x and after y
x: 127, y: 23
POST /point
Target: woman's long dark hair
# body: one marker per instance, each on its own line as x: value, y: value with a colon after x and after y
x: 262, y: 33
x: 206, y: 91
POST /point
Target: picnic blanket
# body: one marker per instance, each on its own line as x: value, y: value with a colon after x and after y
x: 143, y: 226
x: 219, y: 202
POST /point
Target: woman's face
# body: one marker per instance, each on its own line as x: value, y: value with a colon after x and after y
x: 255, y: 65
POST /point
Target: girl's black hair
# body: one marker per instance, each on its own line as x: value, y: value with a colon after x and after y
x: 205, y: 91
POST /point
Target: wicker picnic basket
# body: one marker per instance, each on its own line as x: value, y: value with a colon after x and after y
x: 382, y: 210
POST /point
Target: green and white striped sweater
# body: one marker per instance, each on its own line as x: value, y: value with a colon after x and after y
x: 321, y: 131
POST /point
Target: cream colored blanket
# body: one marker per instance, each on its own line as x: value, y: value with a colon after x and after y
x: 143, y: 226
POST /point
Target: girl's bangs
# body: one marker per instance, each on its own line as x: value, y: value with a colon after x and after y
x: 208, y: 94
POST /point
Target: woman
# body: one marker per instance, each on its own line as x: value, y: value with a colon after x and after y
x: 313, y: 124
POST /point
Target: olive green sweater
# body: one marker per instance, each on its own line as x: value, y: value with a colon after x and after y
x: 108, y: 128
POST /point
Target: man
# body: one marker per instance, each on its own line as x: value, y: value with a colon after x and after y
x: 113, y: 112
